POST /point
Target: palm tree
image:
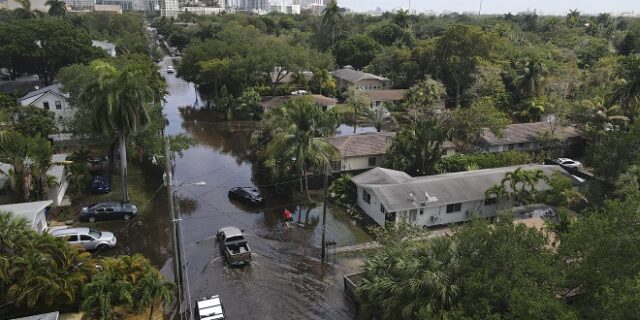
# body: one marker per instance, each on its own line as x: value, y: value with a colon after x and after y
x: 573, y: 18
x: 530, y: 76
x: 57, y: 8
x: 627, y: 90
x: 14, y: 233
x: 297, y: 124
x: 14, y: 150
x: 103, y: 293
x: 24, y: 11
x: 330, y: 16
x: 378, y: 117
x: 41, y: 151
x: 358, y: 101
x: 324, y: 81
x: 150, y: 289
x: 401, y: 18
x: 416, y: 283
x: 522, y: 184
x: 497, y: 191
x: 120, y: 98
x: 417, y: 149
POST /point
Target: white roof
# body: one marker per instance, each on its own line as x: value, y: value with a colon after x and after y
x: 27, y: 210
x: 57, y: 170
x: 5, y: 167
x: 33, y: 96
x: 44, y: 316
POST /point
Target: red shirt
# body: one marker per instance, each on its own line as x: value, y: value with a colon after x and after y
x: 286, y: 214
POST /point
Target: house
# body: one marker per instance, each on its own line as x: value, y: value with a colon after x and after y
x: 526, y: 137
x: 350, y: 78
x: 50, y: 98
x: 323, y: 102
x: 367, y: 150
x: 391, y: 196
x: 59, y: 172
x: 34, y: 212
x: 108, y: 47
x: 379, y: 97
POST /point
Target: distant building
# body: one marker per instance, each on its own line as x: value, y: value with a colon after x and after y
x: 108, y: 47
x: 527, y: 137
x: 350, y: 78
x: 80, y: 5
x: 203, y: 10
x: 389, y: 196
x: 323, y: 102
x: 169, y: 8
x: 380, y: 97
x: 253, y: 6
x: 35, y: 214
x: 39, y: 5
x: 50, y: 98
x: 114, y: 8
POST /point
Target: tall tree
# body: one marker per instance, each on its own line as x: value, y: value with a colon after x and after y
x: 421, y: 97
x: 627, y: 91
x: 57, y: 8
x: 457, y: 56
x: 359, y: 102
x: 150, y: 289
x: 24, y: 11
x: 298, y: 124
x: 531, y: 76
x: 120, y: 99
x: 330, y: 16
x: 103, y: 293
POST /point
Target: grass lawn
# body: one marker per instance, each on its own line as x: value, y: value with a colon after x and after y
x: 141, y: 190
x: 342, y: 108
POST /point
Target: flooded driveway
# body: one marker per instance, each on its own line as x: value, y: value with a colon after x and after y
x: 286, y: 279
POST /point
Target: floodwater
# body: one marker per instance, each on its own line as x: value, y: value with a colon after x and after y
x: 286, y: 279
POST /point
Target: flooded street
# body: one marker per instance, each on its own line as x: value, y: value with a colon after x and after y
x: 286, y: 279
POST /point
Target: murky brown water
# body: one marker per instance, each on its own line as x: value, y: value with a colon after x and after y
x: 286, y: 280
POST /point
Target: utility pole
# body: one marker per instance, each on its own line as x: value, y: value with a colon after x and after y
x: 177, y: 265
x: 324, y: 213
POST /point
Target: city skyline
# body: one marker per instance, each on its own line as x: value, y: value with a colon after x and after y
x: 495, y: 6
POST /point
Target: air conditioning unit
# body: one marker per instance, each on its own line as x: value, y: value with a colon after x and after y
x: 434, y: 218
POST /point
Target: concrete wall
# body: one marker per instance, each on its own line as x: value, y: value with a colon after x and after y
x: 40, y: 222
x: 360, y: 163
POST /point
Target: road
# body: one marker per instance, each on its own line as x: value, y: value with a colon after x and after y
x: 286, y: 279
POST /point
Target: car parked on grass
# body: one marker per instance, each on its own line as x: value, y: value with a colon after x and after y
x: 89, y: 238
x: 170, y: 69
x: 110, y: 210
x: 568, y: 162
x: 101, y: 184
x: 247, y: 195
x: 234, y: 246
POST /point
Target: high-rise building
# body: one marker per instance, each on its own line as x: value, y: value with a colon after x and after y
x: 169, y: 8
x: 80, y: 4
x: 258, y: 6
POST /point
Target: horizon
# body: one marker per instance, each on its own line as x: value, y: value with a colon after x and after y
x: 490, y: 7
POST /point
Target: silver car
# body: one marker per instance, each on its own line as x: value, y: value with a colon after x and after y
x: 88, y: 238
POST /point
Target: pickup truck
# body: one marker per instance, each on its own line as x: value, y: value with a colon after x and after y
x: 234, y: 246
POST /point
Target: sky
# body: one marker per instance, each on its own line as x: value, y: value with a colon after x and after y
x: 499, y: 6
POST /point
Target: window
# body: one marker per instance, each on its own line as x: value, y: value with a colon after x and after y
x: 72, y: 238
x: 372, y: 162
x: 84, y: 237
x: 454, y: 207
x: 421, y: 211
x: 366, y: 196
x: 45, y: 105
x: 521, y: 145
x: 413, y: 215
x: 336, y: 165
x: 490, y: 201
x: 382, y: 209
x: 58, y: 105
x: 511, y: 147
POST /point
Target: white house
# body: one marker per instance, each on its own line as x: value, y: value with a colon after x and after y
x: 526, y: 137
x: 379, y: 97
x: 367, y: 150
x: 34, y: 212
x: 390, y: 196
x: 50, y: 98
x: 348, y: 78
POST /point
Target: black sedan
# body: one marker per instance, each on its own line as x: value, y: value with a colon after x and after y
x: 101, y: 184
x: 247, y: 195
x: 108, y: 211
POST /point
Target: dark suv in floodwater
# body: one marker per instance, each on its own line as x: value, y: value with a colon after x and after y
x: 108, y: 211
x: 247, y: 195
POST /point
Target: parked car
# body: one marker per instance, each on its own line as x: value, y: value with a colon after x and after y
x: 568, y: 162
x: 101, y: 184
x: 247, y: 195
x: 170, y: 69
x: 110, y: 210
x: 89, y: 238
x: 210, y: 308
x: 234, y: 246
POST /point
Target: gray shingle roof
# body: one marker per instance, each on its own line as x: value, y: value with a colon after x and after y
x: 394, y: 188
x: 53, y: 88
x: 365, y: 144
x: 526, y: 132
x: 354, y: 76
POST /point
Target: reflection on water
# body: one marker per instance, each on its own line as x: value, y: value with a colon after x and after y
x: 347, y: 130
